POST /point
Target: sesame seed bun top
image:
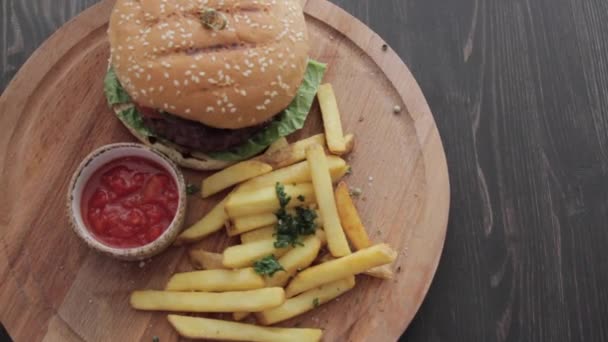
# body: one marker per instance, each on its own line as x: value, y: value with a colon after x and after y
x: 237, y: 76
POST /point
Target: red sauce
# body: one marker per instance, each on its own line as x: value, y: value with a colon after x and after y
x: 129, y: 202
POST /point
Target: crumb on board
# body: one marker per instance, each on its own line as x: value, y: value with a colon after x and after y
x: 355, y: 192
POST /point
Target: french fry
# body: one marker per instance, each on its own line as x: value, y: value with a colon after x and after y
x: 202, y: 259
x: 296, y: 259
x: 245, y: 255
x: 209, y: 224
x: 277, y: 145
x: 216, y: 281
x: 265, y: 233
x: 296, y: 152
x: 233, y: 175
x: 382, y: 272
x: 214, y: 329
x: 331, y: 119
x: 293, y: 153
x: 265, y: 200
x: 250, y: 301
x: 296, y: 173
x: 349, y: 217
x: 246, y: 224
x: 338, y: 246
x: 340, y: 268
x: 349, y: 141
x: 239, y: 316
x: 306, y: 301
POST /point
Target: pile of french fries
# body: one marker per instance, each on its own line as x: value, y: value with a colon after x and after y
x: 228, y: 283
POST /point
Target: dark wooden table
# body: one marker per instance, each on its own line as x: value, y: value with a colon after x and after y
x: 519, y: 90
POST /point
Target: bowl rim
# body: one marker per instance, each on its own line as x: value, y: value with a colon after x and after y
x: 129, y: 253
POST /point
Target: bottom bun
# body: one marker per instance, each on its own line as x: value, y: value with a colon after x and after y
x: 197, y: 160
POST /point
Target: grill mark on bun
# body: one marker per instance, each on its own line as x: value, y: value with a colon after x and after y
x: 195, y: 12
x: 191, y: 51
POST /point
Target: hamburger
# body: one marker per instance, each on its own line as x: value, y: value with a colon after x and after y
x: 210, y: 83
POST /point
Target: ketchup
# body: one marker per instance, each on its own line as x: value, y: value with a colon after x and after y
x: 129, y: 202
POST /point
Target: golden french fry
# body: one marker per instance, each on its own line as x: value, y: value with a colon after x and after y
x: 233, y: 175
x: 293, y: 153
x: 209, y: 224
x: 306, y: 301
x: 251, y: 301
x: 338, y: 246
x: 349, y: 141
x: 296, y: 259
x: 244, y: 224
x: 245, y: 255
x: 382, y: 272
x: 277, y: 145
x: 296, y: 173
x: 296, y: 152
x: 265, y: 233
x: 340, y: 268
x: 265, y: 200
x: 215, y: 329
x: 331, y: 119
x: 202, y: 259
x: 216, y: 281
x: 239, y: 316
x: 349, y: 217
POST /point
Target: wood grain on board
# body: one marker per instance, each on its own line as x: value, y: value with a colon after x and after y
x: 54, y: 112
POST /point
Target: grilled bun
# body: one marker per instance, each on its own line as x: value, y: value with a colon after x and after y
x: 167, y: 58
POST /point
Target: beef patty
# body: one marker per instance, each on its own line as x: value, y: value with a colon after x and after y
x: 195, y: 135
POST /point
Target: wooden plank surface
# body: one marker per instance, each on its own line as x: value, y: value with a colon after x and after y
x: 518, y: 90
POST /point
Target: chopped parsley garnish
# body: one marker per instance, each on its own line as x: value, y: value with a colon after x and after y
x: 301, y: 198
x: 192, y: 189
x: 283, y: 198
x: 315, y: 303
x: 267, y: 266
x: 290, y: 227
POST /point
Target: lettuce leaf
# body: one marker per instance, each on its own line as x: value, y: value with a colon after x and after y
x: 115, y: 93
x: 287, y: 122
x: 133, y: 119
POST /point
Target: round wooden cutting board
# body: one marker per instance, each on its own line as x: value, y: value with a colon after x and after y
x: 54, y: 112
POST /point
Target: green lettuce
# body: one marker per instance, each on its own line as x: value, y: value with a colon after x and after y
x: 133, y: 119
x: 287, y: 122
x: 115, y: 93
